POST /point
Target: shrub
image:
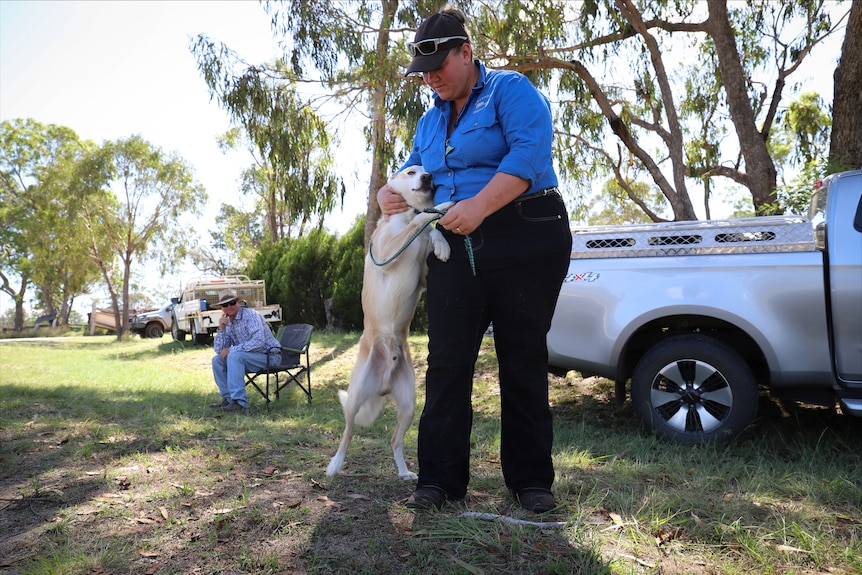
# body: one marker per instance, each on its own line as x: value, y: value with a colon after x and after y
x: 346, y: 277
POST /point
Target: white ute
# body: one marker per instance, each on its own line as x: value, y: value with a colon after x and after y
x: 197, y: 314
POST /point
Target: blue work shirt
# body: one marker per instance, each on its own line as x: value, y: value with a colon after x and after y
x: 505, y: 126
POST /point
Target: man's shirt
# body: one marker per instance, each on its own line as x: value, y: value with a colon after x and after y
x: 247, y: 332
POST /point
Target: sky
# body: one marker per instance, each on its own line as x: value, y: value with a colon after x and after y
x: 109, y: 70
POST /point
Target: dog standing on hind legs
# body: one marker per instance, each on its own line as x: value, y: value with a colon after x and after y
x: 390, y: 293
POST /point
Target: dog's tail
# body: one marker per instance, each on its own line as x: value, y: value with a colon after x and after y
x: 385, y: 358
x: 368, y: 411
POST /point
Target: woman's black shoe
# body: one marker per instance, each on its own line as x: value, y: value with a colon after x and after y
x: 426, y: 498
x: 536, y: 499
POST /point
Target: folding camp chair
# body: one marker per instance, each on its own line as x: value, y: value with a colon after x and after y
x: 293, y: 363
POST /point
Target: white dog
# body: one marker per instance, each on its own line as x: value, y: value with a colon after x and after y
x: 390, y: 293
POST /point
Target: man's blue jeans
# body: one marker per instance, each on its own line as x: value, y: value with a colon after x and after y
x: 230, y: 373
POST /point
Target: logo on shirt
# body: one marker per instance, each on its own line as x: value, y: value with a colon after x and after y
x: 482, y: 102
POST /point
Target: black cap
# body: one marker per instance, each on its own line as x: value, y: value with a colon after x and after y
x: 440, y: 25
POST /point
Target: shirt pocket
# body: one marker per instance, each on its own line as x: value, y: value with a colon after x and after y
x: 484, y: 143
x: 542, y: 208
x: 430, y: 141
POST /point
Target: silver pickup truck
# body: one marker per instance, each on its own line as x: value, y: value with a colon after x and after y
x: 699, y: 316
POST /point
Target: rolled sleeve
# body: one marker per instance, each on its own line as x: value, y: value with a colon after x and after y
x: 525, y: 116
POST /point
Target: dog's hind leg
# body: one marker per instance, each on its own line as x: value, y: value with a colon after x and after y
x: 361, y: 402
x: 338, y: 459
x: 404, y: 395
x: 374, y: 382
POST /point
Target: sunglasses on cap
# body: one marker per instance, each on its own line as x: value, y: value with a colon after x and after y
x: 429, y: 46
x: 229, y: 304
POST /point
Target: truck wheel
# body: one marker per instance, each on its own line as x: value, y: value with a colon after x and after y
x: 694, y: 389
x: 154, y: 330
x: 199, y: 338
x: 176, y: 332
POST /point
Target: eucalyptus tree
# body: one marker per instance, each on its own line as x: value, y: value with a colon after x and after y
x: 134, y: 199
x: 355, y: 52
x: 676, y: 92
x: 616, y: 206
x: 40, y: 227
x: 800, y: 146
x: 293, y: 172
x: 679, y: 93
x: 237, y: 237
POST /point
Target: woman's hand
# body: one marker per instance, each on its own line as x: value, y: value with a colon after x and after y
x: 464, y: 217
x: 390, y: 201
x: 467, y: 215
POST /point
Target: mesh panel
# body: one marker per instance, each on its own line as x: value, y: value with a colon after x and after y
x: 253, y: 292
x: 745, y: 235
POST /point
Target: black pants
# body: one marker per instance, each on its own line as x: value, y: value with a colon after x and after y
x: 521, y: 256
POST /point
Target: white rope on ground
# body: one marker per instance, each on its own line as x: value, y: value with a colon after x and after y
x: 506, y: 519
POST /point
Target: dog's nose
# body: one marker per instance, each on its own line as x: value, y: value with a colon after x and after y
x: 426, y: 179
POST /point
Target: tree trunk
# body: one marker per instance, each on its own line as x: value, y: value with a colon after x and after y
x: 378, y: 121
x: 673, y: 139
x: 123, y: 331
x: 48, y: 302
x: 845, y: 149
x: 18, y: 324
x: 17, y: 298
x: 759, y: 167
x: 271, y: 206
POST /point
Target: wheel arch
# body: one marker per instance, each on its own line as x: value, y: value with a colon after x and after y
x: 657, y: 329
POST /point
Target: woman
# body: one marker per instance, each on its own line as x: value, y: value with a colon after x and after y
x: 487, y: 143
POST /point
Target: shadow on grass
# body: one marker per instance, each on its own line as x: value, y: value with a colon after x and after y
x: 370, y: 531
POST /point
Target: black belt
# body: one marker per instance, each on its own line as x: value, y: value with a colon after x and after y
x: 539, y: 194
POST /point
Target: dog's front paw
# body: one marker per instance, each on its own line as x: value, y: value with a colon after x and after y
x: 408, y: 476
x: 444, y: 206
x: 441, y: 247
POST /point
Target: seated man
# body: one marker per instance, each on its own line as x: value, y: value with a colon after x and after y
x: 241, y: 346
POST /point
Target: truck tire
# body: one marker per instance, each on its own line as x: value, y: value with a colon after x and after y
x: 154, y: 330
x: 176, y: 332
x: 694, y: 389
x: 199, y: 338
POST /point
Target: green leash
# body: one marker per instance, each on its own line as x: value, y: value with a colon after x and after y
x: 468, y: 242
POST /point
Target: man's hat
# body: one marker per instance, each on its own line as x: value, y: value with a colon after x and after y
x: 427, y: 49
x: 226, y: 296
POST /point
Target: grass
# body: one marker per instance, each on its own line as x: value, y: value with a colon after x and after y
x: 110, y: 462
